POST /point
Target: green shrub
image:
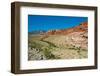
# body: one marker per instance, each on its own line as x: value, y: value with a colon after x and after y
x: 49, y: 55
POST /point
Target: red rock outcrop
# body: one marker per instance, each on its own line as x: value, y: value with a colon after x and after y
x: 81, y: 28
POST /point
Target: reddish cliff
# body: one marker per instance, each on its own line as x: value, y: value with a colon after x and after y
x: 81, y: 28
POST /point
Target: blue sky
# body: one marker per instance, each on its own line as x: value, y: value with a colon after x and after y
x: 48, y: 22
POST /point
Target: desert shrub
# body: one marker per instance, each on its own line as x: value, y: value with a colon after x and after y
x: 84, y: 49
x: 49, y: 54
x: 74, y: 48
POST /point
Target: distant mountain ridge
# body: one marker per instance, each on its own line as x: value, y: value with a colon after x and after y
x: 36, y: 32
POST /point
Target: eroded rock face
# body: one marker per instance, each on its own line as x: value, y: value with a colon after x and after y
x: 78, y: 39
